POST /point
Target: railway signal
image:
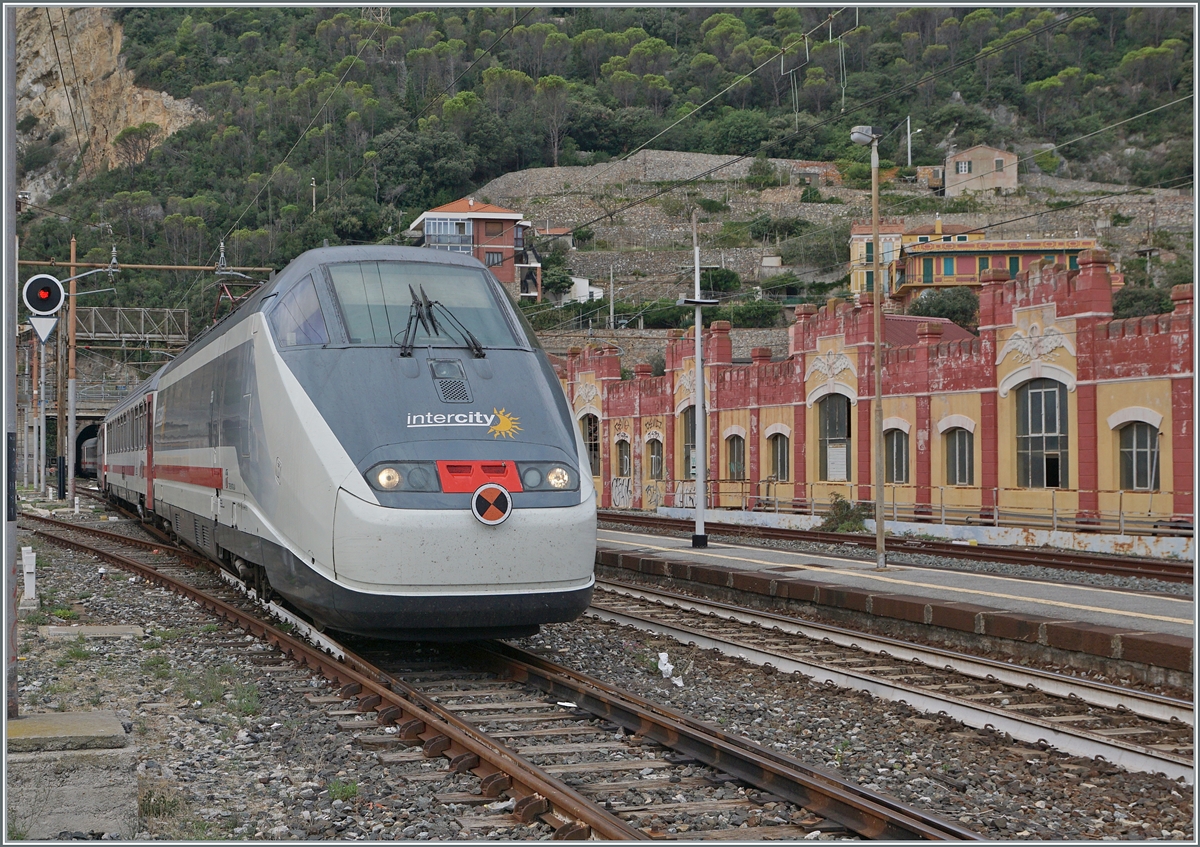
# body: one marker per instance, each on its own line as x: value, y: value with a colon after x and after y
x: 43, y: 294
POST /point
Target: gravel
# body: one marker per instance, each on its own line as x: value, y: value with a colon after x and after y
x: 995, y: 786
x: 228, y: 750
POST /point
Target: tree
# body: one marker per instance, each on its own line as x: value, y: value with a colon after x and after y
x: 556, y: 280
x: 959, y: 304
x: 816, y: 87
x: 624, y: 87
x: 134, y: 143
x: 652, y: 56
x: 554, y: 106
x: 657, y: 92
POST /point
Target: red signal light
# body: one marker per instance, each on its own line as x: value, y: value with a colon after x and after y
x: 43, y: 293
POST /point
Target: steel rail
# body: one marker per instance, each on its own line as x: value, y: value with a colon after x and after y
x: 859, y: 809
x: 1101, y: 563
x: 1146, y: 704
x: 167, y: 546
x: 441, y: 732
x: 1024, y: 728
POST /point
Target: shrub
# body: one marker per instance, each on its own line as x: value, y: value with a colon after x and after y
x: 845, y: 517
x: 1047, y: 161
x: 712, y: 206
x: 762, y: 173
x: 720, y: 279
x: 959, y: 304
x: 755, y: 314
x: 1134, y: 301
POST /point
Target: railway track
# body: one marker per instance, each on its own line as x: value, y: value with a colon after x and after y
x: 1097, y: 563
x: 1137, y: 730
x: 542, y: 744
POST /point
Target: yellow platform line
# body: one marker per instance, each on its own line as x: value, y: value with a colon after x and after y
x: 910, y: 583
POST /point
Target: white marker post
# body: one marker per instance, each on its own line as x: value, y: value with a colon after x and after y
x: 699, y: 538
x: 29, y: 567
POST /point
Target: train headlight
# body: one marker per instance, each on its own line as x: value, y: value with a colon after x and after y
x: 388, y: 478
x: 547, y: 476
x: 404, y: 476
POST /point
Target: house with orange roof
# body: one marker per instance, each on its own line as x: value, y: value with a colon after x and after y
x: 496, y: 236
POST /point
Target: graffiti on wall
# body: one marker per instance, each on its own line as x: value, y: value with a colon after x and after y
x: 652, y: 495
x: 622, y: 492
x: 685, y: 494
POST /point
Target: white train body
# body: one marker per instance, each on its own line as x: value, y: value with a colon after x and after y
x: 270, y: 444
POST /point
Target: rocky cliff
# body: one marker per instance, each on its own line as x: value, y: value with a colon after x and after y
x: 75, y: 95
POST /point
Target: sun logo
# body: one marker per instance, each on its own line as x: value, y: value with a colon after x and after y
x: 506, y: 426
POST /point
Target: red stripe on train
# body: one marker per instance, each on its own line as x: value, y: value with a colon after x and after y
x: 206, y: 477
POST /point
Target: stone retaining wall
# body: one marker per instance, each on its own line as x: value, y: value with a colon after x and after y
x: 639, y: 346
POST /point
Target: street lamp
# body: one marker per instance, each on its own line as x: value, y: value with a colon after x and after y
x: 908, y: 125
x: 865, y: 135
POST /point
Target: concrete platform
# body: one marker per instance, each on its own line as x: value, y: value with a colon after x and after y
x: 88, y: 631
x: 65, y: 731
x: 1150, y: 630
x: 70, y: 772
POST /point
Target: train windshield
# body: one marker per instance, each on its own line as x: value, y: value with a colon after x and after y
x: 376, y: 300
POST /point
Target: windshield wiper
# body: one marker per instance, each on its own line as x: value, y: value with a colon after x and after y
x: 416, y: 314
x: 471, y: 341
x: 422, y: 311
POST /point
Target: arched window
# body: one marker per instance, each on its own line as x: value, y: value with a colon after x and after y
x: 1139, y: 457
x: 834, y: 437
x: 624, y: 464
x: 1042, y: 434
x: 895, y: 456
x: 590, y: 425
x: 960, y: 457
x: 780, y: 456
x: 654, y: 448
x: 735, y: 450
x: 689, y: 442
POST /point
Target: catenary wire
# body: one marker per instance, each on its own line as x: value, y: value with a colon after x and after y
x: 66, y: 87
x: 1183, y: 182
x: 75, y: 72
x: 874, y: 101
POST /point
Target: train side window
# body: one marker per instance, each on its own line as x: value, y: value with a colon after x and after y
x: 297, y: 318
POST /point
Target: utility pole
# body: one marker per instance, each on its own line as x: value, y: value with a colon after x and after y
x: 71, y: 318
x: 10, y: 369
x: 314, y: 188
x: 38, y: 376
x: 699, y: 537
x: 60, y: 394
x: 865, y: 135
x: 612, y: 317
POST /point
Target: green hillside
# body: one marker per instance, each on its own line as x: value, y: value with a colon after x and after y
x: 390, y: 119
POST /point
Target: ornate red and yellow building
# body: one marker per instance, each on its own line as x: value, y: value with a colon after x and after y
x: 1055, y: 411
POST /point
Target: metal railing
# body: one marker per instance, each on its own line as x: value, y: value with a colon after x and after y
x: 946, y: 505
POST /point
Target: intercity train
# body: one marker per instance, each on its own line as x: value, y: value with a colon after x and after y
x: 377, y: 437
